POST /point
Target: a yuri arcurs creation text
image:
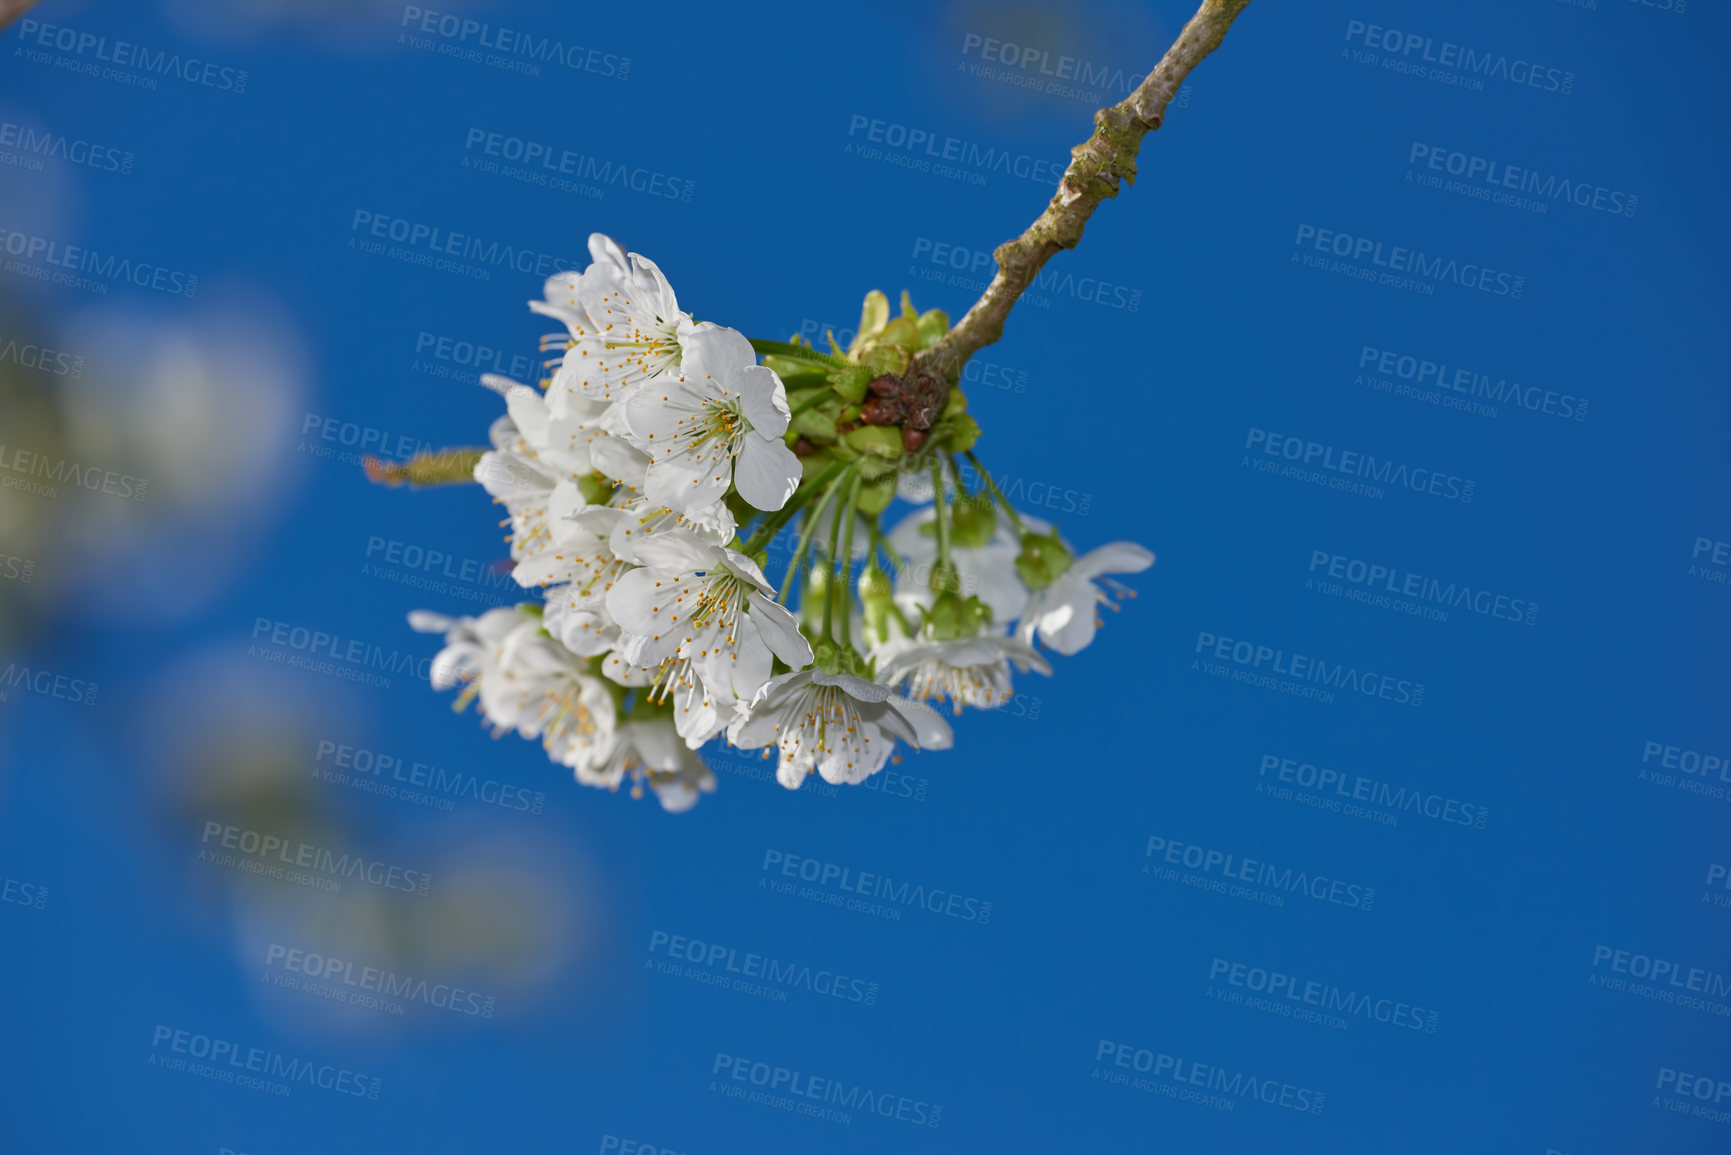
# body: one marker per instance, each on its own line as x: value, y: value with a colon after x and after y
x: 662, y: 463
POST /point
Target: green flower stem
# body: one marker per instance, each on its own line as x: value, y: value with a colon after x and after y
x: 812, y: 402
x: 829, y: 592
x: 773, y: 523
x: 942, y: 517
x: 791, y: 578
x: 992, y: 487
x: 844, y: 561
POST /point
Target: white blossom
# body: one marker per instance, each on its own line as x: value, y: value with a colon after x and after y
x: 839, y: 725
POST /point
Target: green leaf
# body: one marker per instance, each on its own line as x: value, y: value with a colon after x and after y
x: 786, y: 349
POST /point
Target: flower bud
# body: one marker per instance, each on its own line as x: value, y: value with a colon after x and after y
x: 876, y: 594
x: 953, y: 616
x: 974, y: 521
x: 963, y: 431
x: 875, y: 496
x: 816, y: 588
x: 1043, y: 559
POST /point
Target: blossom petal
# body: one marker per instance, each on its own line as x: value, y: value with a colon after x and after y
x: 1114, y: 557
x: 766, y: 472
x: 764, y: 399
x: 780, y: 631
x: 933, y: 732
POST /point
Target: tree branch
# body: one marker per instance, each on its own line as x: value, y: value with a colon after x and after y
x: 1096, y: 168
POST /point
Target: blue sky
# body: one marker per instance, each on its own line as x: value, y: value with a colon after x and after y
x: 1322, y: 333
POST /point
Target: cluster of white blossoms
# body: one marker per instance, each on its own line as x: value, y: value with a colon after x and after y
x: 649, y: 477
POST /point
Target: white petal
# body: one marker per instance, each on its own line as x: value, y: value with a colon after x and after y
x: 764, y: 399
x: 715, y: 356
x: 676, y: 551
x: 1114, y: 557
x: 766, y: 472
x: 934, y: 733
x: 780, y: 630
x: 688, y: 482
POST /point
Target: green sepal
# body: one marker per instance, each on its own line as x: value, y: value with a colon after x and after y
x: 871, y: 467
x: 974, y: 522
x: 959, y: 432
x: 850, y: 383
x: 875, y: 495
x: 873, y: 316
x: 1043, y: 559
x: 934, y: 323
x: 596, y: 489
x: 877, y: 440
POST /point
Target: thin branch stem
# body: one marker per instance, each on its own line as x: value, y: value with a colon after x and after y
x: 940, y: 514
x: 772, y: 524
x: 992, y: 488
x: 806, y: 529
x: 844, y: 584
x: 1097, y: 167
x: 829, y: 589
